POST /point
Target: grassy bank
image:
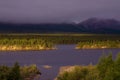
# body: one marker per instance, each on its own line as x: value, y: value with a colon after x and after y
x: 98, y: 44
x: 106, y: 69
x: 47, y: 41
x: 24, y: 44
x: 18, y: 73
x: 63, y: 38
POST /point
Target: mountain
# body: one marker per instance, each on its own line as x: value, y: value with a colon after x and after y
x: 95, y: 25
x: 92, y: 25
x: 37, y: 28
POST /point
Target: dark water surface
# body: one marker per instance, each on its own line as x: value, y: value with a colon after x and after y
x: 64, y: 55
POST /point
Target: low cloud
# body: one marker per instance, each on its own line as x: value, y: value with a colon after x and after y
x: 43, y: 11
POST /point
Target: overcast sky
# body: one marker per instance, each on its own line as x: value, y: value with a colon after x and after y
x: 47, y: 11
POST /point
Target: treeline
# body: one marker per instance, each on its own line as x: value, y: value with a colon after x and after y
x: 98, y: 44
x: 18, y: 73
x: 25, y: 44
x: 63, y: 38
x: 47, y: 41
x: 106, y: 69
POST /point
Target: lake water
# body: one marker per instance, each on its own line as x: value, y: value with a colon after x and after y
x: 64, y: 55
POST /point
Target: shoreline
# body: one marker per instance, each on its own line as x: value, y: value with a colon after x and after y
x: 77, y: 48
x: 20, y: 48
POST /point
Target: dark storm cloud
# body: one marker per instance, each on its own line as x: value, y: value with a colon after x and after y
x: 57, y: 10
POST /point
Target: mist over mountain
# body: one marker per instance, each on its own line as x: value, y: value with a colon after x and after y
x: 91, y: 25
x: 95, y: 25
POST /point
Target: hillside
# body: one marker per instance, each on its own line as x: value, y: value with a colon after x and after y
x: 92, y: 25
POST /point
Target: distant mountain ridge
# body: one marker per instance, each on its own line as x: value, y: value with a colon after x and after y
x: 92, y: 25
x: 96, y: 25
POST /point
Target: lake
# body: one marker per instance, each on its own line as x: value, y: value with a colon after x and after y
x: 64, y: 55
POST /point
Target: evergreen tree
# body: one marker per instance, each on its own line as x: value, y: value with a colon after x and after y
x: 117, y: 67
x: 106, y: 68
x: 15, y: 73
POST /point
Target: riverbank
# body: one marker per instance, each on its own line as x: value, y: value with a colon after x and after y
x: 98, y: 44
x: 76, y: 72
x: 14, y: 44
x: 21, y: 42
x: 106, y: 69
x: 24, y: 48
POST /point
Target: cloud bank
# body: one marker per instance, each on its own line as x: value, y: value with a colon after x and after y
x: 57, y: 11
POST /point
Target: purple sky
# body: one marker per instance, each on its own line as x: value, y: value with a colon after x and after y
x: 44, y: 11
